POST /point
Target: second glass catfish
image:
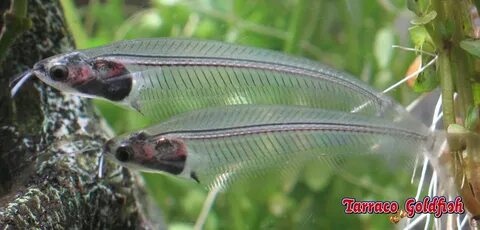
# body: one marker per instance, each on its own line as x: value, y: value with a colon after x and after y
x: 222, y: 145
x: 163, y: 77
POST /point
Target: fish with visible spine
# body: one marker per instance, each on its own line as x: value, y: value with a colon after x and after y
x: 218, y: 146
x: 164, y: 76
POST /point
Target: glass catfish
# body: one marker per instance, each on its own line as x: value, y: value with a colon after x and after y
x: 163, y: 77
x: 217, y: 146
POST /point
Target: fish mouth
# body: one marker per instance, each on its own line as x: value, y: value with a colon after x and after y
x: 107, y: 146
x: 19, y: 80
x: 109, y: 149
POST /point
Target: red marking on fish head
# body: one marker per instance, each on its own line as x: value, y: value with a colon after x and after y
x: 182, y: 149
x: 143, y: 149
x: 103, y: 78
x: 77, y: 73
x: 98, y: 69
x: 171, y: 149
x: 106, y: 69
x: 149, y: 153
x: 64, y: 70
x: 80, y: 74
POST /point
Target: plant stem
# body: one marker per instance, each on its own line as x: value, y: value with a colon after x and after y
x: 455, y: 70
x: 461, y: 67
x: 447, y: 88
x: 15, y: 23
x: 242, y: 24
x: 460, y: 60
x: 19, y: 7
x: 447, y: 31
x: 73, y: 19
x: 292, y: 44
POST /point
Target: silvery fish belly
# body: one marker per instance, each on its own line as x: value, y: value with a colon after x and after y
x: 219, y: 146
x: 163, y: 77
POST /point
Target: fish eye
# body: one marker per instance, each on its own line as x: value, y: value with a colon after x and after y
x: 123, y: 153
x: 59, y: 72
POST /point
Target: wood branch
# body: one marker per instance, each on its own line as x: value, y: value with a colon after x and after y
x: 50, y: 144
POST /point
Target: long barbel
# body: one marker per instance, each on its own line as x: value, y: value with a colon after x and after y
x: 217, y: 146
x: 163, y: 77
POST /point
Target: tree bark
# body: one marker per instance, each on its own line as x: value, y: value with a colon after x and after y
x: 50, y: 144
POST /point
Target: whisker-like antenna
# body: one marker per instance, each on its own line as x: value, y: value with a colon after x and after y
x: 436, y: 221
x: 17, y: 78
x: 21, y: 80
x: 422, y: 177
x: 207, y: 205
x: 411, y: 75
x: 458, y: 221
x: 449, y: 223
x: 439, y: 117
x: 100, y: 165
x: 419, y: 190
x: 430, y: 192
x: 414, y: 170
x: 414, y: 103
x: 436, y: 117
x: 415, y: 222
x: 437, y: 114
x: 464, y: 221
x: 413, y: 49
x: 435, y: 57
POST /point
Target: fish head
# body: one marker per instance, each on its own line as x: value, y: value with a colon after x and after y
x: 64, y: 72
x: 142, y: 152
x: 76, y: 73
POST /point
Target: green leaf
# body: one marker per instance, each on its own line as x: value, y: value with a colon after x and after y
x: 413, y: 6
x: 450, y: 26
x: 471, y: 46
x: 418, y: 34
x: 476, y: 93
x: 472, y: 118
x: 74, y: 23
x: 426, y: 81
x: 383, y: 47
x: 418, y: 6
x: 425, y: 18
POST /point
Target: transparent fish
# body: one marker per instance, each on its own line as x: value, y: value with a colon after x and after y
x: 163, y: 77
x: 219, y: 146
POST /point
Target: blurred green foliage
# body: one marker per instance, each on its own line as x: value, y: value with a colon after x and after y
x: 353, y: 35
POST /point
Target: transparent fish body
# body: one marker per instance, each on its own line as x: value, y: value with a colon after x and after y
x: 219, y: 146
x: 163, y: 77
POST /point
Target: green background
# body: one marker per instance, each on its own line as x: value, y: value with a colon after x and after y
x: 352, y: 35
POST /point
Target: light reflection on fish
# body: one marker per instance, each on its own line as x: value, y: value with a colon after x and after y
x: 217, y: 146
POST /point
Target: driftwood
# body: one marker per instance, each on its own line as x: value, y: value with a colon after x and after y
x: 50, y: 143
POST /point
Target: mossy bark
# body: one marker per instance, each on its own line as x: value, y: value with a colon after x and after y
x: 50, y: 144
